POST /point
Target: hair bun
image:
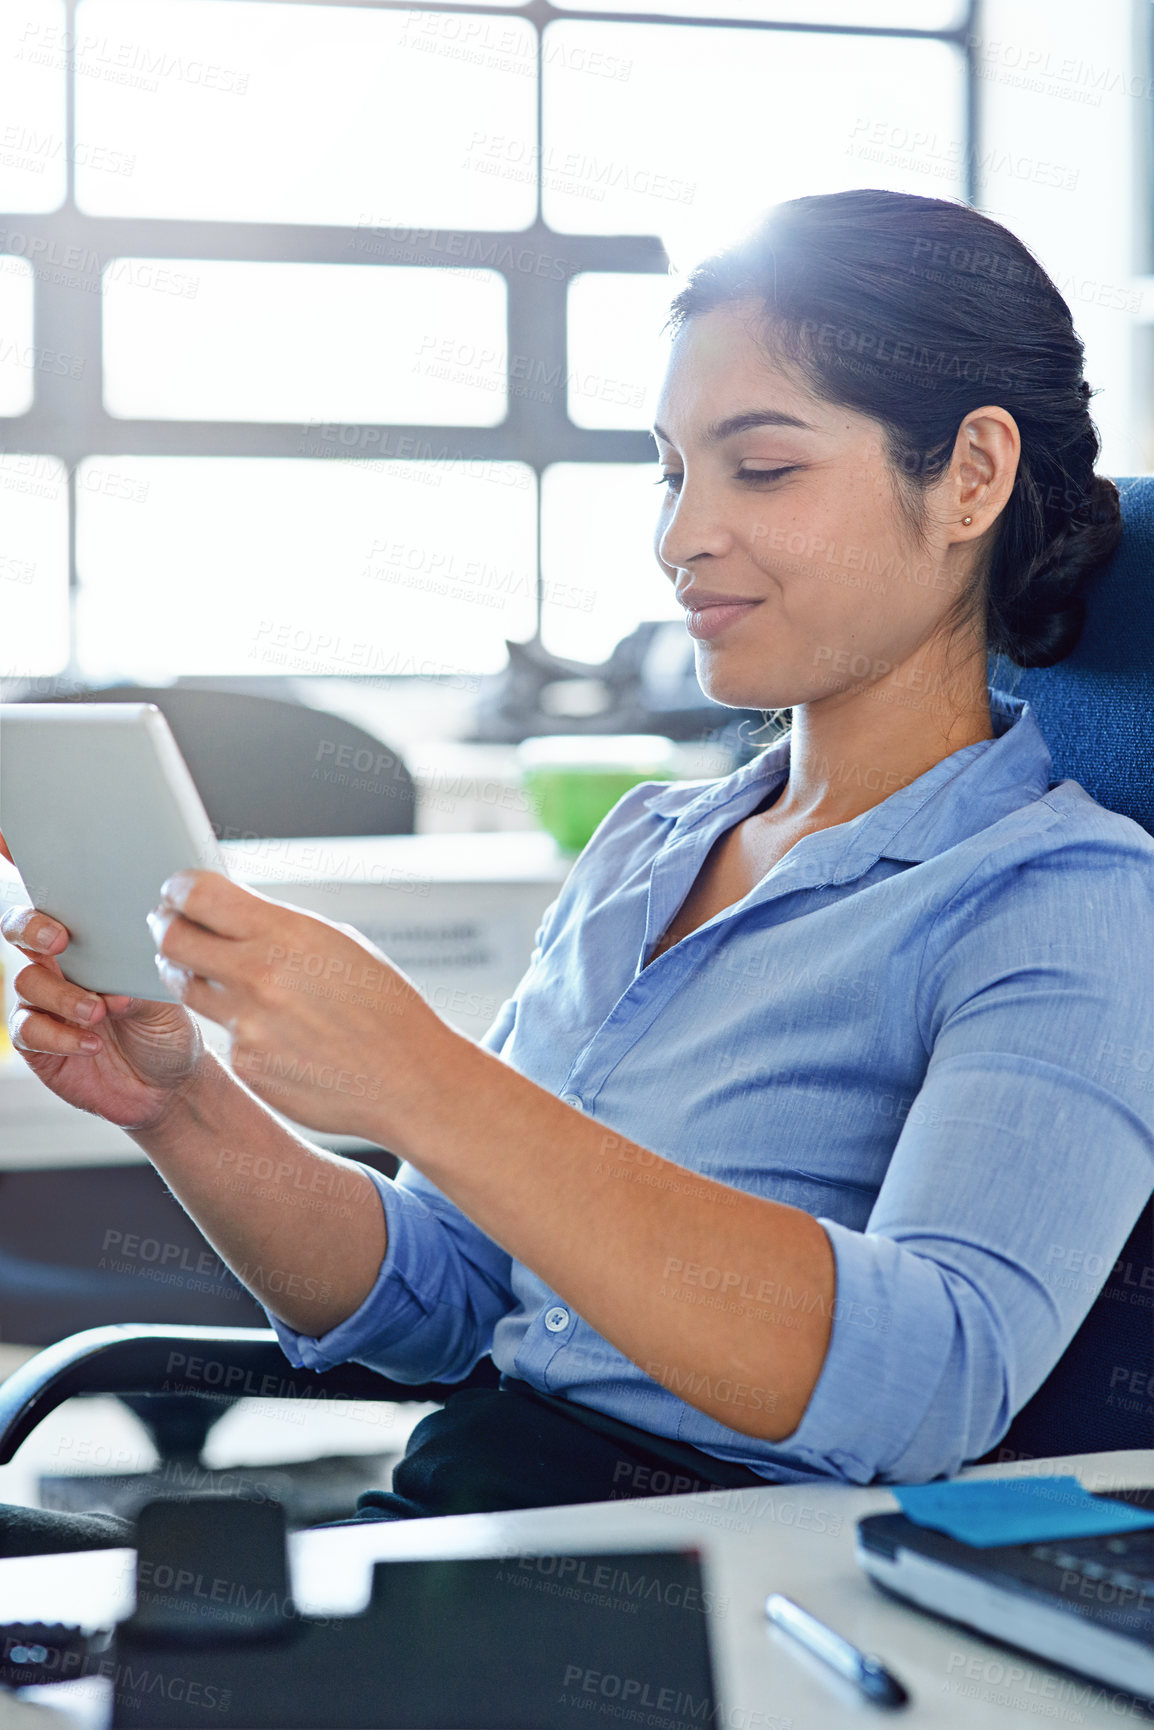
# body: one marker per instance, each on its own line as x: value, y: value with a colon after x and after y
x: 1043, y: 624
x: 1104, y: 507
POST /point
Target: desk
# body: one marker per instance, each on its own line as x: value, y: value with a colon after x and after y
x: 789, y: 1538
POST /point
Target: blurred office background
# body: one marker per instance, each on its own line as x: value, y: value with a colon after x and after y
x: 329, y: 340
x: 329, y: 332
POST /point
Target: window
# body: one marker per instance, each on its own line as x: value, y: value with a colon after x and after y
x: 241, y: 111
x: 616, y: 348
x: 303, y: 342
x: 18, y: 351
x: 33, y: 159
x: 33, y: 566
x: 330, y: 333
x: 264, y: 565
x: 599, y: 575
x: 792, y: 112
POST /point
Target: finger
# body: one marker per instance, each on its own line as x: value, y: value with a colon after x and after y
x: 217, y: 903
x: 32, y: 931
x: 4, y: 853
x: 37, y: 988
x: 34, y: 1031
x: 196, y: 950
x: 214, y: 1001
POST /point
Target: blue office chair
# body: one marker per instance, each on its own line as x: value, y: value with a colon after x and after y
x: 1096, y: 711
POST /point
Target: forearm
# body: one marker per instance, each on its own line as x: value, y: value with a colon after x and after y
x: 534, y: 1175
x: 302, y: 1228
x: 723, y: 1297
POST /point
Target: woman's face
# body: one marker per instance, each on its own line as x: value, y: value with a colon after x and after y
x: 785, y: 504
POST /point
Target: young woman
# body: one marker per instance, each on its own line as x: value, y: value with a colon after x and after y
x: 759, y: 1174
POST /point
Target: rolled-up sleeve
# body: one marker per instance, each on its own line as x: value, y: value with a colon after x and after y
x: 1028, y: 1149
x: 441, y: 1288
x: 442, y: 1285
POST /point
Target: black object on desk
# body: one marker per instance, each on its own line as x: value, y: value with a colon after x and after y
x: 520, y: 1642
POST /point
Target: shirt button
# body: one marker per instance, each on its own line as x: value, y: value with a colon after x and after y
x: 573, y: 1099
x: 556, y: 1320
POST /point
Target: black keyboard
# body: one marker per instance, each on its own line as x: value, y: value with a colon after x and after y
x: 1126, y: 1562
x: 1085, y: 1604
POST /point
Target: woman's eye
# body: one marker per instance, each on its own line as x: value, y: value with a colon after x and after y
x: 748, y: 474
x: 671, y: 479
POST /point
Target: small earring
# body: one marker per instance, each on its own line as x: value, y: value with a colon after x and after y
x: 967, y: 521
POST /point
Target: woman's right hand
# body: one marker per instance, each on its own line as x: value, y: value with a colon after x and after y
x: 127, y: 1060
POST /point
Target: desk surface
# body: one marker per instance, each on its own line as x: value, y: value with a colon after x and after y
x: 791, y: 1539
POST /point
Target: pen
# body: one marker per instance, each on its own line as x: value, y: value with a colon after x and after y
x: 865, y: 1672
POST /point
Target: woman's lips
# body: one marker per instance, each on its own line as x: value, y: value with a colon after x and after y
x: 710, y: 620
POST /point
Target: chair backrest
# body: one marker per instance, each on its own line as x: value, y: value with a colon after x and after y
x: 270, y: 768
x: 1096, y: 712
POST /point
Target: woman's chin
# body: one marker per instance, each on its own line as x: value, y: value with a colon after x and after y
x: 728, y: 687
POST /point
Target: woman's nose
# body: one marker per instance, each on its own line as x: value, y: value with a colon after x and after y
x: 693, y: 528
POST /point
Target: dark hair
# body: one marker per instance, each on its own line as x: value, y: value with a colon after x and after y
x: 916, y: 311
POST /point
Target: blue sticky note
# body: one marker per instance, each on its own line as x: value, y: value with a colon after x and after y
x: 989, y: 1511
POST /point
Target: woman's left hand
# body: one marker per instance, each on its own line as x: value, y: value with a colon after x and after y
x: 324, y: 1028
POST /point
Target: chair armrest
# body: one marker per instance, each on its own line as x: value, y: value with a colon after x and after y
x: 155, y: 1359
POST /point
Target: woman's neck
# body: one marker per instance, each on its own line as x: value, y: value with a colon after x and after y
x: 848, y: 754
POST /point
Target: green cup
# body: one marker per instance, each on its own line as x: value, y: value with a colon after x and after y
x: 575, y: 780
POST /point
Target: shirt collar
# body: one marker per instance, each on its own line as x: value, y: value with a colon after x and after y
x: 964, y: 793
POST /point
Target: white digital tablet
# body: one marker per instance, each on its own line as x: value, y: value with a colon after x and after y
x: 98, y: 809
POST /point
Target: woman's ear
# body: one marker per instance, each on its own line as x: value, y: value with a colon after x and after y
x: 982, y: 470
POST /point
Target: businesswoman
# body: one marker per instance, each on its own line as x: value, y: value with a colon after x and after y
x: 759, y: 1174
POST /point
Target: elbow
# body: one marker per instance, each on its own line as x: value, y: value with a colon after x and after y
x: 968, y: 1411
x: 913, y: 1387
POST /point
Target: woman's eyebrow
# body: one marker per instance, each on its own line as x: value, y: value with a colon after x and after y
x: 739, y: 423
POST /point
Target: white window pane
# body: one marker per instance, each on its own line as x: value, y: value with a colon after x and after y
x: 221, y: 565
x: 600, y: 575
x: 240, y: 110
x: 206, y: 340
x: 617, y: 349
x: 775, y: 115
x: 897, y: 14
x: 33, y: 52
x: 33, y: 565
x: 17, y: 350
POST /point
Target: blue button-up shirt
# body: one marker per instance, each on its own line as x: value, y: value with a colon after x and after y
x: 931, y: 1027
